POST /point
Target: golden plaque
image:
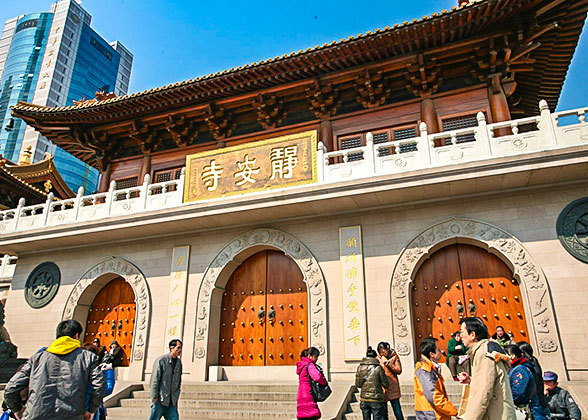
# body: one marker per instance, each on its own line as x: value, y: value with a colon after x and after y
x: 274, y: 163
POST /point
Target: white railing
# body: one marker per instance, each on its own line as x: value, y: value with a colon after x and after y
x: 7, y: 266
x: 484, y: 141
x: 96, y: 206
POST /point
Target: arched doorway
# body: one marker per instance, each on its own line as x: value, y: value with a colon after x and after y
x: 462, y: 280
x: 264, y: 318
x: 111, y: 316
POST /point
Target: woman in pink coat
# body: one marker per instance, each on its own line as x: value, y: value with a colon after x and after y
x: 307, y: 409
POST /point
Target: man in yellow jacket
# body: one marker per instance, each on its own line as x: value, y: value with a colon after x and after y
x: 430, y: 397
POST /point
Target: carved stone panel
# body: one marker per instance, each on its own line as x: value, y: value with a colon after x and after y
x: 572, y: 229
x: 42, y: 285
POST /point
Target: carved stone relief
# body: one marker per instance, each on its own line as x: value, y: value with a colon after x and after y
x: 526, y: 269
x: 269, y: 238
x: 136, y: 279
x: 572, y: 229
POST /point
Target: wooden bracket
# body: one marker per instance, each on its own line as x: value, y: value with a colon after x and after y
x: 220, y: 122
x: 182, y: 131
x: 423, y: 78
x: 270, y: 111
x: 323, y: 99
x: 371, y: 89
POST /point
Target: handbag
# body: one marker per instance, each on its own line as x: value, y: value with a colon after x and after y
x: 318, y: 391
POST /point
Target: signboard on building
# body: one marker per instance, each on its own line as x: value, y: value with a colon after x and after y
x: 176, y: 303
x: 353, y: 290
x: 275, y: 163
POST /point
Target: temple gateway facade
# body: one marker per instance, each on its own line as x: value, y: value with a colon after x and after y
x: 379, y: 188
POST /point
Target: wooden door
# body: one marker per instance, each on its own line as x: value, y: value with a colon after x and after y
x: 287, y: 332
x: 264, y: 315
x: 242, y: 337
x: 460, y: 275
x: 112, y: 316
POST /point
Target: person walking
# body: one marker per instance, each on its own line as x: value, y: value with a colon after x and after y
x: 490, y: 397
x: 561, y: 403
x: 110, y: 382
x: 57, y: 379
x: 306, y: 368
x: 538, y: 376
x: 457, y: 358
x: 166, y: 380
x: 390, y: 362
x: 372, y: 380
x: 430, y: 396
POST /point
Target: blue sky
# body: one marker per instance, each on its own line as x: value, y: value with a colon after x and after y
x: 179, y: 40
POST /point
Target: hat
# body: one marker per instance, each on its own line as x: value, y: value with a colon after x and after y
x: 114, y: 342
x: 549, y: 376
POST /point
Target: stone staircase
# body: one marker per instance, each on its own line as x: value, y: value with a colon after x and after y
x: 218, y: 400
x: 407, y: 402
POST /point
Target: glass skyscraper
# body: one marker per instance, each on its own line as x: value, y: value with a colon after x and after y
x: 53, y: 59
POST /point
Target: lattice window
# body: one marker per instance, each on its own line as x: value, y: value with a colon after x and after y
x: 404, y: 133
x: 383, y: 137
x: 352, y: 143
x: 125, y: 183
x: 463, y: 121
x: 164, y: 176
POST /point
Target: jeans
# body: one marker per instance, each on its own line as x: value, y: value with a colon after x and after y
x: 536, y: 409
x: 169, y: 412
x: 379, y: 410
x: 397, y: 408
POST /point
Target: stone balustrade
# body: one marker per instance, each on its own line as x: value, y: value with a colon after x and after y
x: 517, y: 137
x: 7, y: 266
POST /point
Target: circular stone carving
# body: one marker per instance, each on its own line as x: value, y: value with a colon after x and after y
x: 572, y: 229
x: 519, y: 144
x: 42, y: 285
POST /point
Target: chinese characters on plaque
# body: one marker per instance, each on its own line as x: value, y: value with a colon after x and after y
x: 257, y: 166
x: 352, y: 282
x: 177, y: 294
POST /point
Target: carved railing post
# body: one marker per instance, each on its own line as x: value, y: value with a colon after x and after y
x: 21, y: 204
x: 110, y: 196
x: 369, y: 154
x: 145, y: 189
x: 547, y: 126
x: 424, y: 146
x: 47, y: 208
x: 78, y: 202
x: 320, y: 161
x: 181, y: 185
x: 482, y: 135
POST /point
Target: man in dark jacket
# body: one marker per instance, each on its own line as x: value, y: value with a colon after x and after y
x: 57, y: 379
x: 561, y: 403
x: 372, y: 380
x: 166, y: 379
x: 538, y: 376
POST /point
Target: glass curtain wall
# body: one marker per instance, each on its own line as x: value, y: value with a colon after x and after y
x: 20, y: 76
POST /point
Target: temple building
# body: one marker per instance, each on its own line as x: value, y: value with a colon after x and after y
x: 377, y: 188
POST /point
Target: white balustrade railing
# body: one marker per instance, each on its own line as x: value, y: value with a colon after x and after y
x: 96, y: 206
x: 7, y: 266
x: 484, y: 141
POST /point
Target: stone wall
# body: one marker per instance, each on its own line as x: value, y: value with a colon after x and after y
x: 529, y: 216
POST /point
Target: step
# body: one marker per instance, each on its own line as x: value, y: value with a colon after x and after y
x: 220, y: 403
x: 236, y: 387
x: 139, y: 413
x: 234, y: 396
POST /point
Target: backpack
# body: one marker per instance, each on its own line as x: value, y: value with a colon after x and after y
x: 319, y: 392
